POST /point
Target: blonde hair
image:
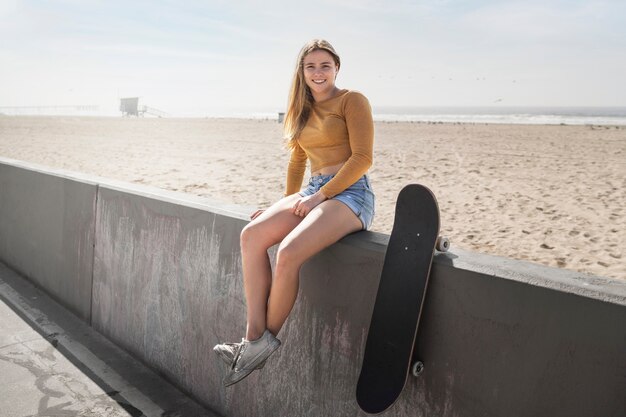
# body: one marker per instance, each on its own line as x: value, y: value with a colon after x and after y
x: 300, y: 96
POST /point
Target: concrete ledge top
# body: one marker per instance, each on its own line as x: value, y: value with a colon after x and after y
x: 203, y: 203
x: 601, y: 288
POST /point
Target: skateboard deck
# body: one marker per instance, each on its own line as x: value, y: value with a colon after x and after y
x: 399, y: 301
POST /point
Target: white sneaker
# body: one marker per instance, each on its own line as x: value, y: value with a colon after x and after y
x: 228, y: 352
x: 251, y: 355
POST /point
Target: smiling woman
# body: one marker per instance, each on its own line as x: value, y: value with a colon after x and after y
x: 320, y: 72
x: 332, y: 128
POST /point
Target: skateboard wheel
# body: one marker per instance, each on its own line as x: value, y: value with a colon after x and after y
x: 418, y: 368
x: 443, y: 244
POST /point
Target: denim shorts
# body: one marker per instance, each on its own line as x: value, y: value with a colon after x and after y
x: 359, y: 196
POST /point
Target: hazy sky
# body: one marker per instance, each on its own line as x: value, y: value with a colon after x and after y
x: 196, y: 57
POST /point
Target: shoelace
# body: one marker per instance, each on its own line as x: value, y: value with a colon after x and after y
x: 235, y: 344
x: 241, y: 347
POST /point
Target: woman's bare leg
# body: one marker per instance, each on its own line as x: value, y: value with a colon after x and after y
x: 323, y: 226
x: 256, y: 238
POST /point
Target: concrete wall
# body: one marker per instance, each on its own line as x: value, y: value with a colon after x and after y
x: 46, y: 230
x: 498, y: 338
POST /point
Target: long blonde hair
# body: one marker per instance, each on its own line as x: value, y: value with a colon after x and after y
x: 300, y: 96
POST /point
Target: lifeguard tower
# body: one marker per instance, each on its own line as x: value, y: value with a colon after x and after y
x: 129, y: 106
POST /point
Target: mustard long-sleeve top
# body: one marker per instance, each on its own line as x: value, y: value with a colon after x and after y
x: 339, y: 129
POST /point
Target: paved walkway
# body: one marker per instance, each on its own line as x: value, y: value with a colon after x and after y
x: 53, y: 364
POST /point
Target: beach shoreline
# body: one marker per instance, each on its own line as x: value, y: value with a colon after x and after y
x: 550, y: 194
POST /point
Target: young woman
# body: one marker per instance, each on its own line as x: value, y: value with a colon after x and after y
x: 333, y: 129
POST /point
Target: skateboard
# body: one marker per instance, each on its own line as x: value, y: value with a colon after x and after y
x: 399, y: 301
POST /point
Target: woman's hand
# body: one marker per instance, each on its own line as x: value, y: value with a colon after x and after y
x: 303, y: 206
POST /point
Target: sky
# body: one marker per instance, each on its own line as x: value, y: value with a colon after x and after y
x: 195, y: 58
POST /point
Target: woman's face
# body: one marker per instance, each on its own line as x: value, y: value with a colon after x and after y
x: 320, y: 72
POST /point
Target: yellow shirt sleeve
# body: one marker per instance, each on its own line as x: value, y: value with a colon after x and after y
x: 360, y: 124
x: 295, y: 170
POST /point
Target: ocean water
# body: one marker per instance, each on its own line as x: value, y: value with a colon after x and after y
x: 509, y: 115
x: 496, y: 114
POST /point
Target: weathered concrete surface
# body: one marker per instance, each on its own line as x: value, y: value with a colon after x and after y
x: 46, y: 230
x: 167, y: 287
x: 53, y: 364
x: 523, y: 350
x: 499, y: 337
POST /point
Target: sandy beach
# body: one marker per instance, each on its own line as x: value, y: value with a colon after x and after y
x: 554, y: 195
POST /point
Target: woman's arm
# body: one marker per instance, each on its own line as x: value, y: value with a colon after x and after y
x: 360, y: 124
x: 295, y: 169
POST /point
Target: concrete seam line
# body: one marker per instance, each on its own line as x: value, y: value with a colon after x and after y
x: 93, y: 251
x: 81, y: 353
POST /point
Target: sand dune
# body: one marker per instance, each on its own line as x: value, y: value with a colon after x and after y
x: 549, y: 194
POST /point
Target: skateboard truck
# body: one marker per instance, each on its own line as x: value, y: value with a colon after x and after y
x: 442, y: 245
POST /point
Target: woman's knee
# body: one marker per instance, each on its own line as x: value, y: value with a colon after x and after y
x: 255, y: 236
x: 249, y: 235
x: 288, y: 256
